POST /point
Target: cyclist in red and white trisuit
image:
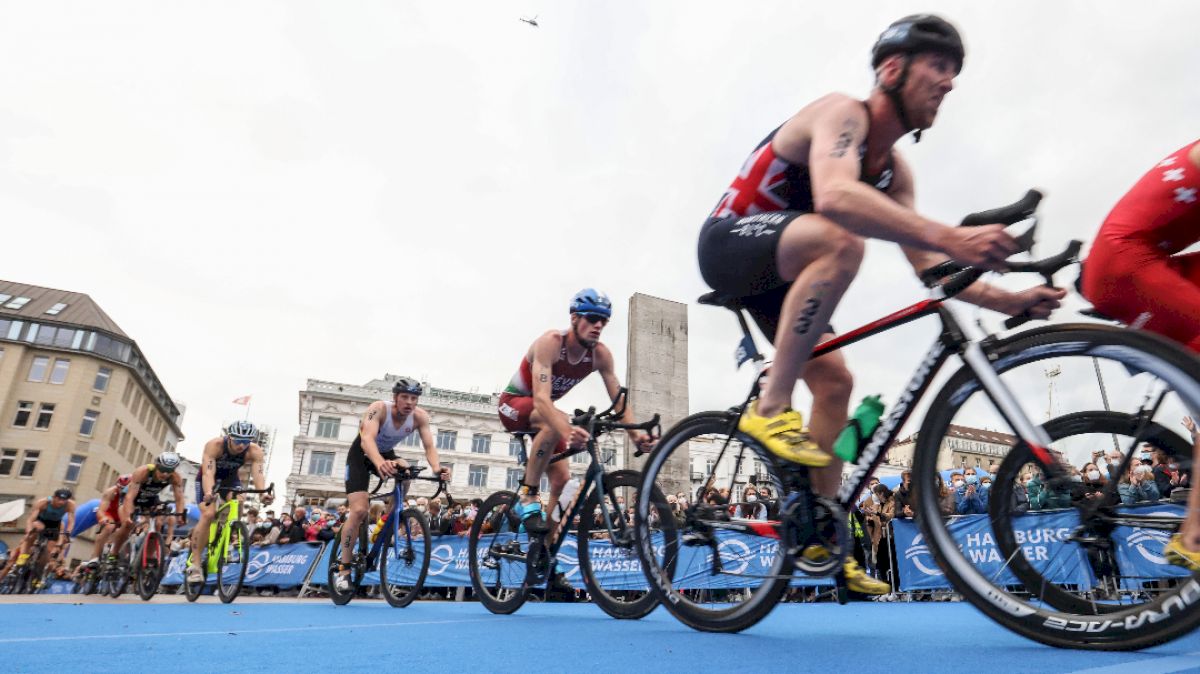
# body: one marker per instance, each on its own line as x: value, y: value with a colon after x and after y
x: 554, y: 364
x: 1133, y: 275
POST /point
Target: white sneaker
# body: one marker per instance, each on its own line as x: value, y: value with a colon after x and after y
x: 195, y: 575
x: 341, y: 583
x: 92, y: 562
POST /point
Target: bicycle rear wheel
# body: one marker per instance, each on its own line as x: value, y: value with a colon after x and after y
x: 358, y: 567
x: 1067, y: 574
x: 404, y: 563
x: 497, y: 550
x: 233, y: 562
x: 627, y: 596
x: 149, y: 566
x: 712, y: 572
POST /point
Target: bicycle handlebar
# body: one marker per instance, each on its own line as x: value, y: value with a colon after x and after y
x: 608, y: 420
x: 411, y: 473
x: 243, y: 490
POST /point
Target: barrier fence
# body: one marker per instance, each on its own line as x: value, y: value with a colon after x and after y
x: 1042, y: 535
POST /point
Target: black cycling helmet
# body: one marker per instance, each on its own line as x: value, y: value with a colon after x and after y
x: 407, y: 386
x: 918, y: 33
x: 63, y: 493
x: 915, y: 34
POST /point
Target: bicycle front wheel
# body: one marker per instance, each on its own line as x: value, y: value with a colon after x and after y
x: 358, y: 567
x: 497, y: 550
x: 1066, y: 565
x: 233, y: 562
x: 713, y: 572
x: 149, y: 566
x: 625, y: 594
x: 122, y: 569
x: 193, y: 590
x: 404, y: 563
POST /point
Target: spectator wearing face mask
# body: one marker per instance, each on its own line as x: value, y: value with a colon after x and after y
x: 970, y: 497
x: 749, y: 508
x: 1020, y: 493
x: 1094, y: 482
x: 765, y: 498
x: 291, y: 527
x: 439, y: 523
x: 1137, y: 486
x: 903, y: 496
x: 1167, y: 475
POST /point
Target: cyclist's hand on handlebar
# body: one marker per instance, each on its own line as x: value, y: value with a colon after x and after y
x: 267, y: 499
x: 1037, y: 302
x: 986, y: 247
x: 386, y: 468
x: 443, y: 472
x: 578, y: 437
x: 643, y: 440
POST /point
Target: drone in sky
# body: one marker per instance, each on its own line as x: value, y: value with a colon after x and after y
x: 533, y: 22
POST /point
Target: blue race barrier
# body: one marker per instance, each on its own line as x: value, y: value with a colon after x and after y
x: 1042, y: 535
x: 615, y: 568
x: 272, y: 565
x: 1139, y: 551
x: 59, y: 587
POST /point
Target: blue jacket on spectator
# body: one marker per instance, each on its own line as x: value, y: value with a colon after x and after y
x: 975, y: 504
x: 1140, y: 493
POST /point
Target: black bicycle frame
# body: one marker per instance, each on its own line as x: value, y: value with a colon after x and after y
x: 391, y: 526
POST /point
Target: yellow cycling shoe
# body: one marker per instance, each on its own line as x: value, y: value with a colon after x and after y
x: 858, y: 580
x: 1181, y: 556
x: 784, y: 436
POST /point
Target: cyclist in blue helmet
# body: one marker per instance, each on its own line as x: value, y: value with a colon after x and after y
x: 221, y: 464
x: 553, y: 365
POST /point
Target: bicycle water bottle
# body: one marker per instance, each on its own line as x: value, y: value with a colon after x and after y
x: 564, y: 500
x: 860, y: 427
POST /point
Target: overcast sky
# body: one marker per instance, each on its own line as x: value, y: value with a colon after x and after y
x: 263, y: 192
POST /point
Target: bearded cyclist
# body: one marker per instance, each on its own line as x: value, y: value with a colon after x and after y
x: 145, y: 485
x: 787, y: 237
x: 46, y: 520
x: 1135, y: 274
x: 384, y: 425
x: 220, y: 465
x: 553, y: 365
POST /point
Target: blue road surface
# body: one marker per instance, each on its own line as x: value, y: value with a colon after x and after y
x: 314, y: 636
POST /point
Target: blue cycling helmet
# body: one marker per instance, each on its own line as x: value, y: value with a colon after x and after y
x: 242, y: 430
x: 591, y: 301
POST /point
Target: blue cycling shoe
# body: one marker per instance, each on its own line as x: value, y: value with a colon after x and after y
x: 532, y: 519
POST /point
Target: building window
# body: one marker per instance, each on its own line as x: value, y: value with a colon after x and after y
x: 514, y: 478
x: 515, y: 446
x: 74, y: 468
x: 88, y: 425
x: 29, y: 465
x: 37, y: 371
x: 17, y: 303
x: 102, y: 379
x: 581, y: 457
x: 481, y: 444
x: 447, y: 440
x: 24, y: 409
x: 59, y: 374
x: 8, y: 459
x: 103, y: 480
x: 477, y: 476
x: 128, y: 391
x: 56, y: 309
x: 45, y: 413
x: 411, y: 440
x: 116, y: 435
x: 327, y: 427
x: 321, y: 463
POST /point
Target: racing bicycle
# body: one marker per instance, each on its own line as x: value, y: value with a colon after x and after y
x: 228, y: 552
x: 506, y: 563
x: 1150, y: 380
x: 401, y: 549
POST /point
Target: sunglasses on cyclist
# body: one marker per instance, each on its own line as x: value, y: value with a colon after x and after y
x: 241, y: 441
x: 595, y: 318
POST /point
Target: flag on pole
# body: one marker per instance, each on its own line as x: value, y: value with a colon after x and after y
x: 244, y: 400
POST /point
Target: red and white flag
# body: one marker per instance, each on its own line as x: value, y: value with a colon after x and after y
x: 244, y: 400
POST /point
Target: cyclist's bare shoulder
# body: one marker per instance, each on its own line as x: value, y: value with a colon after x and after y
x: 1194, y: 155
x: 420, y: 417
x: 793, y: 141
x: 546, y: 346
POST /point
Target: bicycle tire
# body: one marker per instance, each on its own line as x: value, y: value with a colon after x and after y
x: 1171, y: 614
x: 664, y: 575
x: 413, y: 560
x: 508, y: 590
x: 24, y: 574
x: 357, y: 567
x: 237, y: 553
x: 619, y: 607
x: 120, y: 572
x: 149, y: 565
x: 193, y: 590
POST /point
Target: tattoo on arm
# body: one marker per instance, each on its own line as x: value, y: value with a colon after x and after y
x: 844, y: 139
x: 543, y: 377
x: 371, y: 414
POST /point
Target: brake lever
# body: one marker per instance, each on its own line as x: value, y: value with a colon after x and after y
x: 1047, y: 268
